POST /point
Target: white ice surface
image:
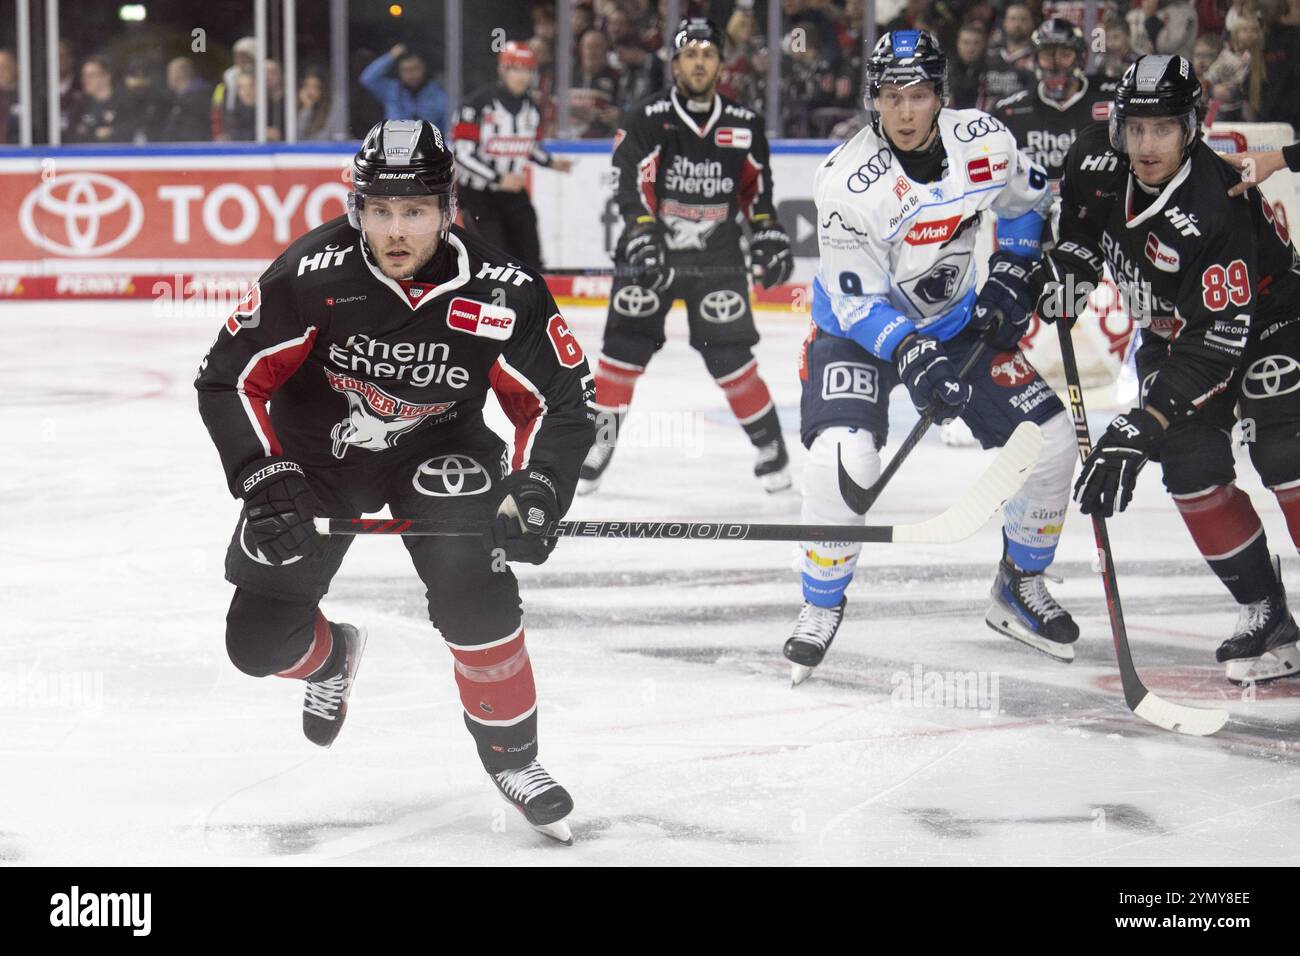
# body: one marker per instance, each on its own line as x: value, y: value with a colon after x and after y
x: 665, y: 702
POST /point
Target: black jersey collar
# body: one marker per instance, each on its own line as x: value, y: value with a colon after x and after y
x: 460, y: 277
x: 1066, y: 103
x: 689, y: 120
x: 1159, y: 202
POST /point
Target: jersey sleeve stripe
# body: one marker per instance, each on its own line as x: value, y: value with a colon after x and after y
x: 265, y: 372
x: 523, y: 404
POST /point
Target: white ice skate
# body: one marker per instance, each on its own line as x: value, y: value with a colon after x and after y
x: 812, y: 637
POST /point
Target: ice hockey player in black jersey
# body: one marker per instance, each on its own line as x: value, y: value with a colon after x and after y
x: 496, y: 136
x: 353, y: 376
x: 1046, y: 118
x: 690, y: 165
x: 1215, y: 285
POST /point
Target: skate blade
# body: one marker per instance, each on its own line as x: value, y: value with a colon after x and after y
x: 1003, y: 624
x: 799, y: 673
x: 558, y: 831
x: 776, y: 482
x: 1280, y: 662
x: 360, y: 647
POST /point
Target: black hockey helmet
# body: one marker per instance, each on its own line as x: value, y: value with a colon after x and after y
x: 697, y: 30
x: 1158, y: 85
x: 1059, y: 32
x: 400, y: 159
x: 905, y: 57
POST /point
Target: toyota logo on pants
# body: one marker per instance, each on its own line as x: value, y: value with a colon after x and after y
x: 724, y: 305
x: 1271, y: 376
x: 449, y: 476
x: 96, y: 215
x: 635, y: 301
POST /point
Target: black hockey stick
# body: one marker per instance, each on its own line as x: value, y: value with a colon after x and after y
x: 621, y: 272
x: 1196, y: 721
x: 970, y: 513
x: 861, y: 499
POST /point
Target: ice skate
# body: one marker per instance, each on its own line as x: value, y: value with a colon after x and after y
x: 1263, y: 646
x: 773, y: 467
x: 812, y: 637
x: 542, y: 801
x: 325, y: 706
x: 1024, y: 609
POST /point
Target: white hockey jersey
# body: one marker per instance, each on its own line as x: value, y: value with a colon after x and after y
x: 897, y: 256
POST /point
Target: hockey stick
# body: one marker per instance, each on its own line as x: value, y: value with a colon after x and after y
x: 1195, y: 721
x: 966, y: 516
x: 686, y: 272
x: 861, y: 499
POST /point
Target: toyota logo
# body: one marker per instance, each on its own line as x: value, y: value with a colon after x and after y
x: 976, y: 128
x: 449, y: 476
x: 636, y: 301
x: 870, y: 171
x: 86, y: 204
x: 1271, y: 376
x: 724, y: 305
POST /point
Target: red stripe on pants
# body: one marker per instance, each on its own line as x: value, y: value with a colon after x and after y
x: 322, y: 647
x: 614, y: 384
x: 1289, y: 499
x: 496, y: 684
x: 1221, y: 520
x: 746, y: 393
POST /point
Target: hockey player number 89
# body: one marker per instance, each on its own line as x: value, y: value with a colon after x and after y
x: 1220, y: 286
x: 567, y: 349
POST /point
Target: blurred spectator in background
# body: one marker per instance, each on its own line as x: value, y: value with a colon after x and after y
x: 148, y: 103
x: 1209, y: 17
x: 1280, y: 104
x: 1162, y: 26
x: 240, y: 124
x: 640, y: 71
x: 1237, y: 75
x: 807, y: 86
x: 582, y: 20
x: 185, y: 117
x: 101, y: 114
x: 318, y: 117
x: 966, y: 74
x: 738, y: 78
x: 1205, y: 51
x: 9, y: 105
x: 224, y: 101
x: 274, y: 101
x: 412, y: 93
x: 594, y: 97
x: 1010, y: 62
x: 1119, y: 50
x: 1236, y: 9
x: 911, y: 17
x: 543, y: 51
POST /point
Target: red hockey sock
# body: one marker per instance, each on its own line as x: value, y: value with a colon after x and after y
x: 318, y: 653
x: 1288, y: 496
x: 496, y: 680
x: 1221, y: 519
x: 615, y: 382
x: 746, y: 393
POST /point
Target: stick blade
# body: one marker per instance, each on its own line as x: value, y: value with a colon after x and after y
x: 973, y: 510
x: 1193, y: 721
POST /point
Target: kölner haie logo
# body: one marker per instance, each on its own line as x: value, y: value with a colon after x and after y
x: 81, y: 214
x: 75, y: 908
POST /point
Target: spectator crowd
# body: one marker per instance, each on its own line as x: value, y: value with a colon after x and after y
x: 1246, y: 52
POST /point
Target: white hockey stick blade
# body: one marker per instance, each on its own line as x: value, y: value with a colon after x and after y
x: 972, y: 511
x: 1193, y: 721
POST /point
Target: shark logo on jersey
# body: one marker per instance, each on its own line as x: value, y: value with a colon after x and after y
x: 376, y: 419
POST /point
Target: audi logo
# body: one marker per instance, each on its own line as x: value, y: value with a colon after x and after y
x: 83, y: 202
x: 870, y: 171
x: 976, y: 128
x: 1271, y: 376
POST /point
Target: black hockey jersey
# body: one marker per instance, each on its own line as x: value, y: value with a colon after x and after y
x: 496, y: 133
x: 1205, y: 269
x: 328, y: 361
x: 698, y: 174
x: 1045, y: 129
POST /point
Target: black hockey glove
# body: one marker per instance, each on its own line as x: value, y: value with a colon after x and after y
x: 931, y: 379
x: 1064, y: 282
x: 1009, y: 289
x: 279, y: 506
x: 646, y: 255
x: 770, y: 251
x: 528, y: 506
x: 1111, y: 470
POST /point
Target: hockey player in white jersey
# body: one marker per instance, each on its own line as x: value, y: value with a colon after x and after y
x: 894, y: 301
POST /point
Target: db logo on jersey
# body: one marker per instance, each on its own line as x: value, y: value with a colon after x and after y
x: 1010, y: 369
x: 925, y: 233
x: 1162, y: 257
x: 737, y: 137
x: 849, y: 380
x: 479, y: 318
x: 988, y: 169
